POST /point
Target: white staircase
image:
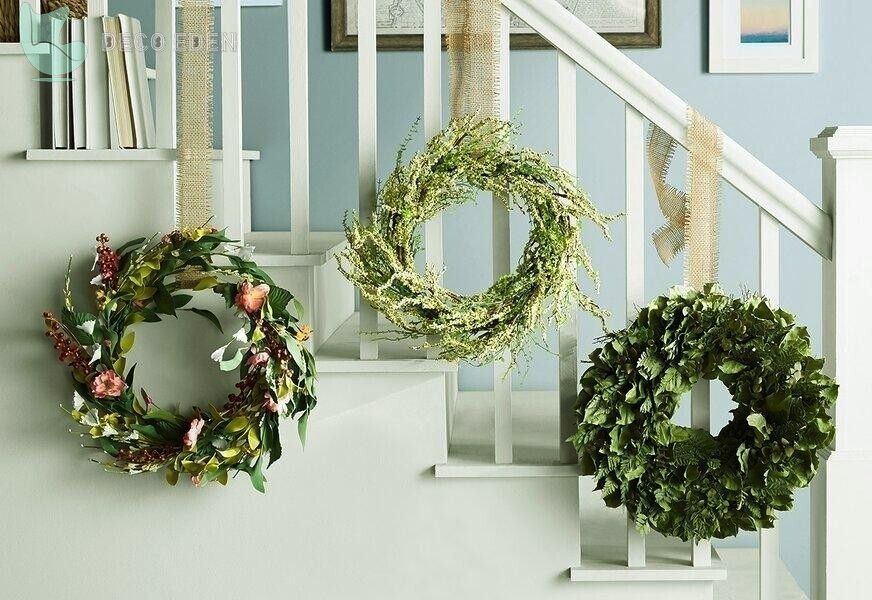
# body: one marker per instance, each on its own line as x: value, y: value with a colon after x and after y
x: 407, y: 488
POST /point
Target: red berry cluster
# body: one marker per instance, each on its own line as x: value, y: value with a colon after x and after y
x: 107, y: 260
x: 245, y: 388
x: 69, y: 351
x: 144, y: 458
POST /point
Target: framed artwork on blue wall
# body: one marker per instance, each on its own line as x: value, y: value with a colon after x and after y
x: 764, y: 36
x: 624, y: 23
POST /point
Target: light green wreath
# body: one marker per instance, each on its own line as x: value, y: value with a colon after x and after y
x: 471, y: 154
x: 685, y: 482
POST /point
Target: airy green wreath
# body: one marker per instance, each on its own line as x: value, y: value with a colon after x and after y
x: 685, y: 482
x: 144, y: 280
x: 474, y: 153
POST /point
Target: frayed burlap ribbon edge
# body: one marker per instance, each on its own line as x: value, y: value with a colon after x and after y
x: 194, y: 94
x: 473, y: 32
x: 692, y: 217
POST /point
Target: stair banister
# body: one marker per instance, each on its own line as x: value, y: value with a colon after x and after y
x: 662, y: 107
x: 769, y: 266
x: 501, y: 256
x: 636, y: 240
x: 432, y: 126
x: 231, y: 118
x: 298, y: 120
x: 367, y: 112
x: 842, y: 493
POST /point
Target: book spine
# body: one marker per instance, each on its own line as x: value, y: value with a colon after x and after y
x: 77, y: 89
x: 58, y: 88
x: 96, y: 86
x: 130, y: 70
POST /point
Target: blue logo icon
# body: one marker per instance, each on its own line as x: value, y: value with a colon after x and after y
x: 40, y: 40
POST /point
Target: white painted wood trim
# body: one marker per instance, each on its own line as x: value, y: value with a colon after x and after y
x: 501, y: 257
x: 567, y: 156
x: 634, y: 135
x: 769, y: 556
x: 231, y: 116
x: 661, y: 106
x: 165, y: 76
x: 494, y: 471
x: 120, y: 154
x: 721, y: 62
x: 367, y: 112
x: 298, y: 100
x: 433, y: 250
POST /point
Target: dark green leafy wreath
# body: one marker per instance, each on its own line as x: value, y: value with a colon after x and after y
x: 474, y: 153
x: 685, y: 482
x: 145, y: 281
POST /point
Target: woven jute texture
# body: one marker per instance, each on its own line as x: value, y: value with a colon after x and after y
x: 473, y: 31
x: 194, y: 174
x: 692, y: 217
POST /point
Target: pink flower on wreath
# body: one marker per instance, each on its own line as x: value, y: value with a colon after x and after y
x: 279, y: 406
x: 107, y: 385
x: 256, y: 360
x: 250, y: 298
x: 189, y: 440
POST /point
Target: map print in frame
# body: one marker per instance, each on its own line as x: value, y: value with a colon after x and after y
x: 624, y: 23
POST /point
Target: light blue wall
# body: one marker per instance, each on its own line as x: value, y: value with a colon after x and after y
x: 772, y: 115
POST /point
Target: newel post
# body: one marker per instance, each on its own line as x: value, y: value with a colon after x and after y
x: 842, y: 494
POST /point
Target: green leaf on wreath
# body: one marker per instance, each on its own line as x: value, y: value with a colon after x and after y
x: 127, y: 342
x: 208, y: 315
x: 237, y: 424
x: 232, y: 363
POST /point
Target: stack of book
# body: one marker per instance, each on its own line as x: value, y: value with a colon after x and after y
x: 106, y: 102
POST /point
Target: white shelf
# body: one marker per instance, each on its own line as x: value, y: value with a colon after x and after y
x: 14, y: 48
x: 126, y: 155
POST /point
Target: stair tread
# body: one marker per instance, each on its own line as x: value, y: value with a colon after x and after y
x: 341, y: 353
x: 273, y: 248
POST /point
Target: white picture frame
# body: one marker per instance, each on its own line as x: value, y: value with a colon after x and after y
x: 728, y: 53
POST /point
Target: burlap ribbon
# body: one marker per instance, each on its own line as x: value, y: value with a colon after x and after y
x: 473, y: 31
x: 692, y: 216
x: 194, y: 173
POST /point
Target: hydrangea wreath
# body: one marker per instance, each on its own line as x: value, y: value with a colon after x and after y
x: 685, y: 482
x: 145, y: 279
x: 474, y: 153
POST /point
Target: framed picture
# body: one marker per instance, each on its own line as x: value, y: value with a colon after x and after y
x: 400, y: 23
x: 764, y: 36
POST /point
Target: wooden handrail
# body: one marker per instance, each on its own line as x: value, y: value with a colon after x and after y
x: 661, y: 106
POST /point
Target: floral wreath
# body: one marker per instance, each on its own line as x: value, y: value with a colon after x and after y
x: 144, y: 280
x: 685, y: 482
x: 474, y: 153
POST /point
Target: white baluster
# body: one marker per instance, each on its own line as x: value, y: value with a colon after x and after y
x: 503, y: 453
x: 367, y: 148
x: 635, y: 293
x: 567, y: 154
x: 164, y: 86
x: 433, y: 124
x: 231, y: 116
x: 165, y: 70
x: 298, y: 100
x: 769, y: 287
x: 700, y: 418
